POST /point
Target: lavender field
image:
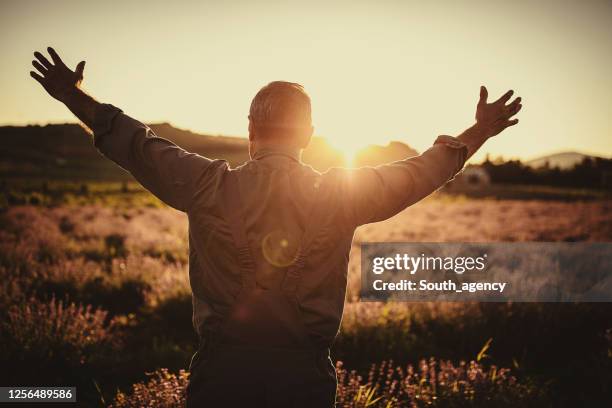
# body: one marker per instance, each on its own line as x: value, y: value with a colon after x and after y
x: 94, y: 292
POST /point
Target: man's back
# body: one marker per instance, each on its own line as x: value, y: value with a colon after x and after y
x: 261, y: 307
x: 277, y: 193
x: 278, y: 196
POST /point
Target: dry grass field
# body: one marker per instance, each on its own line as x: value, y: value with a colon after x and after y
x: 94, y: 292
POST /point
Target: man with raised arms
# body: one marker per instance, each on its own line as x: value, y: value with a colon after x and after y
x: 269, y: 241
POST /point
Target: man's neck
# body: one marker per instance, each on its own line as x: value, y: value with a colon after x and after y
x: 259, y: 150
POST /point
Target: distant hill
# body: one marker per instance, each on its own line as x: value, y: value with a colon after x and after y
x: 374, y: 154
x: 66, y: 151
x: 563, y: 160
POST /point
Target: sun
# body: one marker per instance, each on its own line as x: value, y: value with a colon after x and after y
x: 348, y: 149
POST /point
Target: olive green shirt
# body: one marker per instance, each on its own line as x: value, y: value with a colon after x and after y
x: 278, y: 191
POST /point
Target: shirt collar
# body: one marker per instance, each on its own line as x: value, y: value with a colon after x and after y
x: 293, y: 154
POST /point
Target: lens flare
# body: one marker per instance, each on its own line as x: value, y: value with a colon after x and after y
x: 279, y: 248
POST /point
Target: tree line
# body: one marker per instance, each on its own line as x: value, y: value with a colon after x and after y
x: 591, y: 172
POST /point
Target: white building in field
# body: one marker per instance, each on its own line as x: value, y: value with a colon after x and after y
x: 473, y: 176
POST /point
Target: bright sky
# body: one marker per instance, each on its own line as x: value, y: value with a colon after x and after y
x: 376, y: 70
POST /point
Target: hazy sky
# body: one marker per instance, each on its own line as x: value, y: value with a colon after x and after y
x: 376, y: 70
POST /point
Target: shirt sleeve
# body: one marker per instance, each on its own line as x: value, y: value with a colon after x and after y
x: 169, y: 172
x: 376, y: 193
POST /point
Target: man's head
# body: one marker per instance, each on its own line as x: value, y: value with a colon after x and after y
x: 280, y: 116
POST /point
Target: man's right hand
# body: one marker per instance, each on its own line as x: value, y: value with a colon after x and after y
x: 57, y: 79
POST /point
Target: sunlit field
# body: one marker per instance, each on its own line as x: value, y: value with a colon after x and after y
x: 94, y: 292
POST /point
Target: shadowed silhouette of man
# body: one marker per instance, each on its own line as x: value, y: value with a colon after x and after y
x: 269, y: 241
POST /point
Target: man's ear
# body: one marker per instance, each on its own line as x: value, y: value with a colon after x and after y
x: 251, y: 131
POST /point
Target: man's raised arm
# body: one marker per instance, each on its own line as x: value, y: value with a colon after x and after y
x: 377, y: 193
x: 168, y: 171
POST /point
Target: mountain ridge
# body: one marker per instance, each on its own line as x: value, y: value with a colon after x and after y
x: 562, y: 160
x: 67, y: 150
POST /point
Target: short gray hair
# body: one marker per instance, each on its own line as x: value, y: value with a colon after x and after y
x: 281, y: 105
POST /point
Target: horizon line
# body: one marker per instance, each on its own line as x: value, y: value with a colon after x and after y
x: 165, y: 122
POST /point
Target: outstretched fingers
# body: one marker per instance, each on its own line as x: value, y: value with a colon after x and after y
x: 79, y: 69
x: 511, y: 122
x: 56, y: 58
x: 483, y: 95
x: 504, y: 123
x: 516, y: 101
x: 40, y: 67
x: 498, y: 115
x: 514, y: 108
x: 37, y: 77
x: 43, y: 60
x: 505, y: 97
x: 507, y: 123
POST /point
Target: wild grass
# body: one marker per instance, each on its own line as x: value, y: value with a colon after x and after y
x: 70, y: 333
x: 386, y: 385
x: 163, y: 390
